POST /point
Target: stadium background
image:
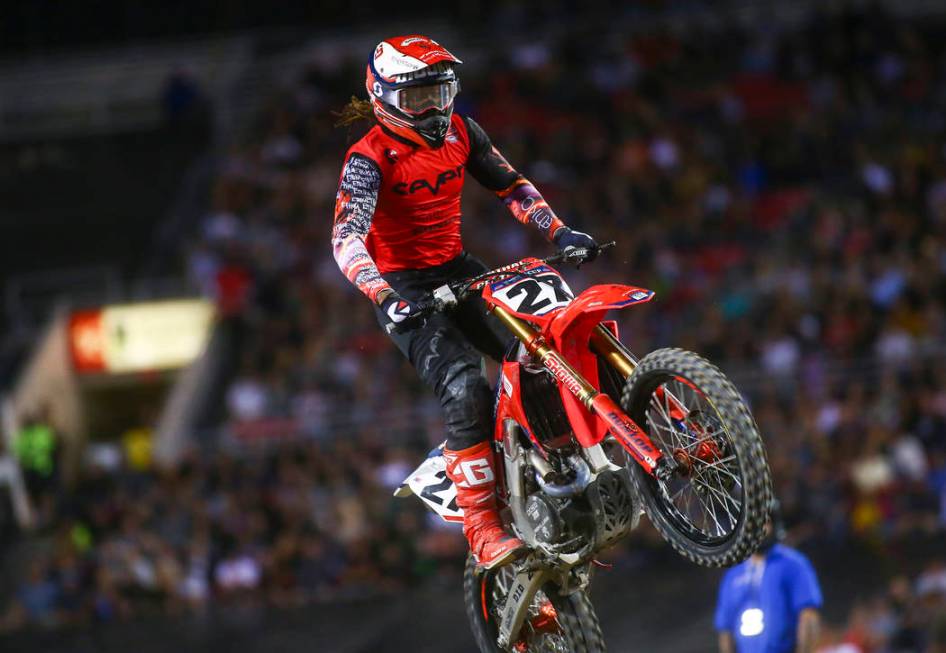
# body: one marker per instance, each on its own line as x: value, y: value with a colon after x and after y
x: 776, y: 171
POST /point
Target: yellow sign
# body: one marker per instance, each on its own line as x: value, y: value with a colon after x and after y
x: 141, y: 337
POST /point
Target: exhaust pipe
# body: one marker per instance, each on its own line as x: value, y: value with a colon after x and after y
x: 583, y: 478
x: 515, y: 461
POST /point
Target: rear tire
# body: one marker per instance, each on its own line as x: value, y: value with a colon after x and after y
x: 735, y: 465
x: 579, y: 629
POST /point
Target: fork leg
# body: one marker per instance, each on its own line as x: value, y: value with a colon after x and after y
x: 604, y: 344
x: 621, y: 426
x: 612, y: 350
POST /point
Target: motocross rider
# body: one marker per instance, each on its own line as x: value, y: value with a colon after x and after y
x: 396, y: 236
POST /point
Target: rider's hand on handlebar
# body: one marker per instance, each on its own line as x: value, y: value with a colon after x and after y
x: 565, y: 238
x: 399, y: 310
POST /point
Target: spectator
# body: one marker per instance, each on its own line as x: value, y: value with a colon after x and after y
x: 771, y: 601
x: 35, y: 448
x: 181, y: 98
x: 37, y: 597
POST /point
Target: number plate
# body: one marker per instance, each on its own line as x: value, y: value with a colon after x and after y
x: 430, y: 483
x: 541, y: 291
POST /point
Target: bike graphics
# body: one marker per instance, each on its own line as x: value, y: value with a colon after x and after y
x: 587, y: 438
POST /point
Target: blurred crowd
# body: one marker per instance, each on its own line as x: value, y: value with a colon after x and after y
x: 909, y: 616
x: 784, y: 192
x: 301, y: 524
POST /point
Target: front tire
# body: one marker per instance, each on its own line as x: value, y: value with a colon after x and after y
x: 575, y: 628
x: 714, y: 508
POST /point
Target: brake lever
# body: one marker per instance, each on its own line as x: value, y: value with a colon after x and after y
x: 607, y: 245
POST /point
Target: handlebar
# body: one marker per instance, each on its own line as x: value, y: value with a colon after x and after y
x: 460, y: 290
x: 579, y: 255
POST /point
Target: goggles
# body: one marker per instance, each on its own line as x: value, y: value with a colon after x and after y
x: 415, y: 100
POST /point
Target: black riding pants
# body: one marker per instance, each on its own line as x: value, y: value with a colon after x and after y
x: 445, y: 351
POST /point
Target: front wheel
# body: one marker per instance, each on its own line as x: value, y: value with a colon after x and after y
x: 556, y: 623
x: 713, y: 509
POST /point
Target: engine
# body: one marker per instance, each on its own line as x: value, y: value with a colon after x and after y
x: 563, y: 524
x: 556, y: 506
x: 567, y: 509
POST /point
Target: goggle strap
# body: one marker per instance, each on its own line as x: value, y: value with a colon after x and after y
x: 399, y: 122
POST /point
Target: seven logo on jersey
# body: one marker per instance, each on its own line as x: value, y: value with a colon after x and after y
x: 405, y: 188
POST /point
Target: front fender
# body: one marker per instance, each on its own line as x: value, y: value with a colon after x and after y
x: 591, y: 304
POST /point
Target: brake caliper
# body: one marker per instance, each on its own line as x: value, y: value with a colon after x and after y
x: 546, y: 621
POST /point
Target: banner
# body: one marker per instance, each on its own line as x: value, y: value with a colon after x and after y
x: 139, y: 337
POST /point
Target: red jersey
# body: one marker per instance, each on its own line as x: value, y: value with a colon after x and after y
x: 416, y: 221
x: 398, y: 204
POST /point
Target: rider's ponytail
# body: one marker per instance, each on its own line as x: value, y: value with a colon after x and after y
x: 356, y: 109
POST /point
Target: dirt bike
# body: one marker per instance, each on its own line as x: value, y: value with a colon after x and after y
x: 577, y: 468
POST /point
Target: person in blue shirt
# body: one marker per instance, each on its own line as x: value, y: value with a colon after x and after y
x: 770, y: 602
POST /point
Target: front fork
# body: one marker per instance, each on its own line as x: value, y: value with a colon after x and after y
x: 617, y: 355
x: 623, y: 428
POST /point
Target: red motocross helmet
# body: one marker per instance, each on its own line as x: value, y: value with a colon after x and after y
x: 411, y: 83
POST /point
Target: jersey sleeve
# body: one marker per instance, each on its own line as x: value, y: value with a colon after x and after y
x: 724, y: 618
x: 355, y: 203
x: 804, y: 590
x: 494, y: 173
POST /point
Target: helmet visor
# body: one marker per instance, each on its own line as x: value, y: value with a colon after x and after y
x: 415, y: 100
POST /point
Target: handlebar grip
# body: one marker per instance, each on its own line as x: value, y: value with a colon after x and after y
x: 579, y: 255
x: 417, y: 318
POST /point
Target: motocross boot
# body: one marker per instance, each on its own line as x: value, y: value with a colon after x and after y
x: 472, y: 471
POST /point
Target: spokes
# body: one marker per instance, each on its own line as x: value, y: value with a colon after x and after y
x: 706, y: 495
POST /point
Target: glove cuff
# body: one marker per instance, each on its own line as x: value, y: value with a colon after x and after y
x: 381, y: 294
x: 561, y: 231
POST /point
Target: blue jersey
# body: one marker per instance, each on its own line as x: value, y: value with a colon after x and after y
x: 759, y: 602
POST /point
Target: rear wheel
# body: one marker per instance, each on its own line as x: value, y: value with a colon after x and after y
x: 713, y: 508
x: 555, y: 624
